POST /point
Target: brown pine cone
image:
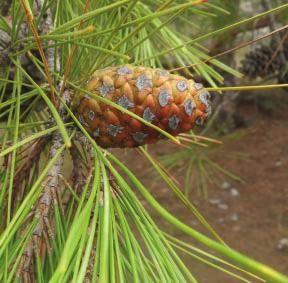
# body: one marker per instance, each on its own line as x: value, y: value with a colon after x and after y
x: 256, y: 63
x: 168, y: 101
x: 265, y: 60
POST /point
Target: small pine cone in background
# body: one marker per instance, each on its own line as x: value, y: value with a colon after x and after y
x: 168, y: 101
x: 265, y: 60
x: 257, y: 63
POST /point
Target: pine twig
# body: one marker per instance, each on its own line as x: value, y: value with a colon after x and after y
x: 37, y: 245
x: 51, y: 190
x: 42, y: 210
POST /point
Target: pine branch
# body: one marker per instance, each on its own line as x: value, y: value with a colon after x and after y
x: 43, y: 209
x: 52, y: 189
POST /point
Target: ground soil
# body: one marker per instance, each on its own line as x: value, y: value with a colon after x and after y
x: 262, y: 202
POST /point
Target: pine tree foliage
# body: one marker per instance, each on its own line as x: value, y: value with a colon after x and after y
x: 86, y: 223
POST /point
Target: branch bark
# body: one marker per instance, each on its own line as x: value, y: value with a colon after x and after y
x: 42, y: 212
x: 43, y: 208
x: 52, y: 189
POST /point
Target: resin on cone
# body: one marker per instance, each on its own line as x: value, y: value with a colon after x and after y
x: 168, y: 101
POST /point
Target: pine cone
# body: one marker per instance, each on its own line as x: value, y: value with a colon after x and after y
x: 168, y: 101
x: 258, y: 62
